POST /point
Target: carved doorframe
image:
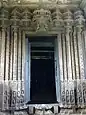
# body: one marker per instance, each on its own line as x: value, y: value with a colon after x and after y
x: 27, y: 63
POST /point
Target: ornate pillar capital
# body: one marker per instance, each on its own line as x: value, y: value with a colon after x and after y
x: 68, y: 21
x: 57, y: 19
x: 4, y: 18
x: 79, y: 20
x: 15, y: 19
x: 26, y: 19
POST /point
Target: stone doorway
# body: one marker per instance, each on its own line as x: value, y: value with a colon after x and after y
x: 42, y: 85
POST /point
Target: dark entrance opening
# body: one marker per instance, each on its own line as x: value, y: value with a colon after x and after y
x: 42, y: 75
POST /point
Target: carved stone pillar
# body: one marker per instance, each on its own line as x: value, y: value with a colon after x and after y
x: 64, y: 57
x: 7, y: 75
x: 26, y: 24
x: 19, y: 55
x: 3, y: 54
x: 60, y: 56
x: 68, y: 30
x: 67, y: 87
x: 84, y: 36
x: 3, y: 71
x: 79, y: 25
x: 26, y: 19
x: 23, y: 63
x: 76, y: 54
x: 14, y: 58
x: 58, y: 23
x: 79, y: 21
x: 0, y: 51
x: 3, y: 22
x: 3, y: 84
x: 7, y: 71
x: 15, y: 53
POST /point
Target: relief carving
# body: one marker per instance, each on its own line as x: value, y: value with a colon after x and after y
x: 41, y: 20
x: 26, y: 19
x: 57, y: 19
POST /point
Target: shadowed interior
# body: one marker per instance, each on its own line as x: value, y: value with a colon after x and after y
x: 43, y: 76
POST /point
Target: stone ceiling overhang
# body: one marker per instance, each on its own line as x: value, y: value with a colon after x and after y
x: 48, y: 4
x: 83, y: 6
x: 41, y: 16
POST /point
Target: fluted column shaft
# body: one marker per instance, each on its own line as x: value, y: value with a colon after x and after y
x: 80, y: 53
x: 19, y: 56
x: 72, y: 55
x: 15, y: 38
x: 3, y: 50
x: 64, y: 57
x: 0, y: 51
x: 84, y: 36
x: 60, y: 55
x: 68, y: 54
x: 23, y: 63
x: 76, y: 55
x: 7, y: 76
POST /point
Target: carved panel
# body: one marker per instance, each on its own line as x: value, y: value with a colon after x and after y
x: 15, y: 18
x: 79, y: 93
x: 84, y: 92
x: 63, y: 93
x: 68, y: 93
x: 1, y: 95
x: 41, y: 20
x: 4, y: 15
x: 57, y: 20
x: 26, y: 18
x: 13, y: 86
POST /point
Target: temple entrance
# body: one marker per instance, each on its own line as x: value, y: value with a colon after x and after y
x: 43, y: 88
x: 43, y: 78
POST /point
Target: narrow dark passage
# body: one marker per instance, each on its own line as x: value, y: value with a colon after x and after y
x: 42, y: 81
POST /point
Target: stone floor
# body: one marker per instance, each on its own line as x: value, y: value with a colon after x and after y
x: 25, y: 113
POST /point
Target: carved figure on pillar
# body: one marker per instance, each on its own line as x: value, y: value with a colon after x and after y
x: 69, y: 84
